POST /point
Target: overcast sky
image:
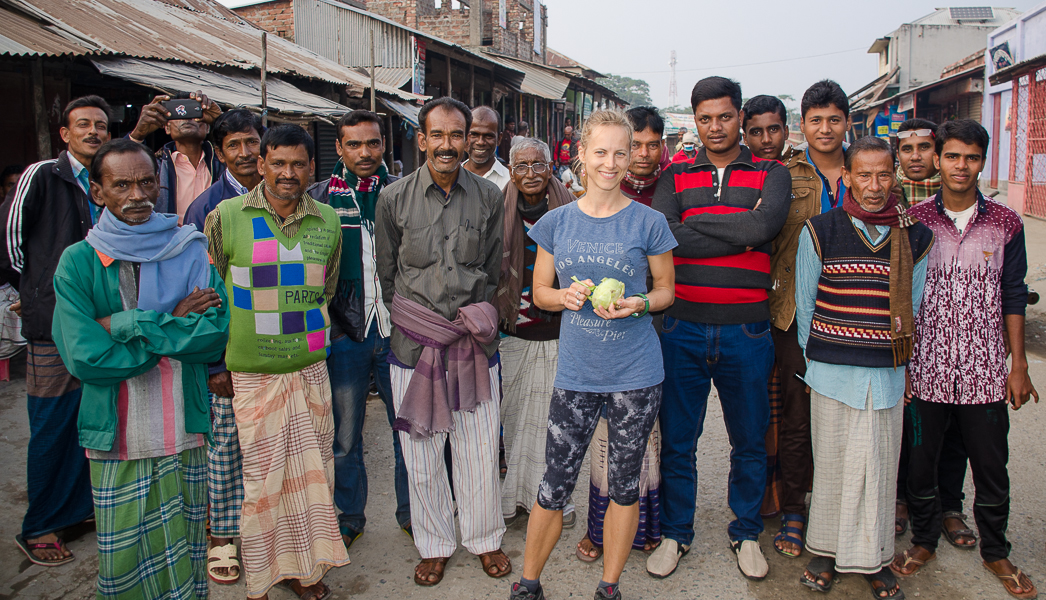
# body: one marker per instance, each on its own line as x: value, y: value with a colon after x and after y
x: 760, y: 43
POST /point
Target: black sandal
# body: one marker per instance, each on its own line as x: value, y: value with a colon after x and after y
x: 818, y: 566
x: 953, y: 535
x: 888, y: 585
x: 900, y: 524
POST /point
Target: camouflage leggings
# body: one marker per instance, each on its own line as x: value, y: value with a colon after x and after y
x: 572, y: 419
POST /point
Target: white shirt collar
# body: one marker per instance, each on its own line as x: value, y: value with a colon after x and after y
x: 75, y: 164
x: 236, y: 185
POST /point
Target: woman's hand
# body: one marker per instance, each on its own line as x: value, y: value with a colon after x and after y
x: 574, y: 296
x: 624, y: 307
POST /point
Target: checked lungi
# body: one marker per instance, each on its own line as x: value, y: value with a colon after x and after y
x: 151, y: 517
x: 224, y: 470
x: 289, y: 529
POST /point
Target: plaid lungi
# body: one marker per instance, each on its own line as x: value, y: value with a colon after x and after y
x: 150, y: 519
x: 286, y: 428
x: 649, y: 529
x: 224, y: 470
x: 772, y: 497
x: 856, y: 453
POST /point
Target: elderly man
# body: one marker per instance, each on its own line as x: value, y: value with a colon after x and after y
x: 482, y: 144
x: 647, y: 148
x: 139, y: 312
x: 279, y: 250
x: 972, y: 319
x: 439, y: 234
x: 530, y: 346
x: 49, y: 211
x: 188, y: 163
x: 860, y: 271
x: 360, y: 326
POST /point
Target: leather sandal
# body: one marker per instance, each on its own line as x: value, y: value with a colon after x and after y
x: 489, y: 559
x: 953, y: 535
x: 585, y: 556
x: 437, y: 567
x: 1014, y: 581
x: 906, y: 561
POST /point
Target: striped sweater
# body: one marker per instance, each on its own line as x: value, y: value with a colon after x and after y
x: 718, y: 279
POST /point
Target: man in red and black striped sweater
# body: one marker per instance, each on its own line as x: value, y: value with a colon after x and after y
x: 724, y: 206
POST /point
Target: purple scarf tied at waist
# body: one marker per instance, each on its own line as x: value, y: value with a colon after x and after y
x: 434, y: 392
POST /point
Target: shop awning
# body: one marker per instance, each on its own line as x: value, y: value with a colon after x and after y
x: 540, y: 81
x: 407, y: 111
x: 231, y: 89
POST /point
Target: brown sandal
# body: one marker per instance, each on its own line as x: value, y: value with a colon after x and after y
x: 490, y: 559
x: 908, y: 560
x: 437, y: 566
x: 583, y: 555
x: 1014, y: 581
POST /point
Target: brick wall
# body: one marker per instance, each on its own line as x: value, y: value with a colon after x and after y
x: 276, y: 17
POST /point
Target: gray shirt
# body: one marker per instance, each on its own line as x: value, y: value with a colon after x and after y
x: 439, y: 249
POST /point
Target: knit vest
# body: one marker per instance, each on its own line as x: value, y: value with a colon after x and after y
x: 278, y: 319
x: 851, y: 321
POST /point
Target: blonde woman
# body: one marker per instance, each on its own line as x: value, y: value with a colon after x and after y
x: 608, y: 357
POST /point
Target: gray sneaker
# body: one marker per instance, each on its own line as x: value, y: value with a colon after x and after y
x: 611, y: 593
x: 521, y: 593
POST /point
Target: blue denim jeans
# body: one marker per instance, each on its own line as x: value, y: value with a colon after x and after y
x: 350, y: 366
x: 737, y: 358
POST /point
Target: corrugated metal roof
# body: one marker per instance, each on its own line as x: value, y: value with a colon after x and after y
x: 236, y: 89
x: 191, y: 31
x: 538, y: 80
x: 21, y: 35
x: 389, y: 76
x: 409, y: 112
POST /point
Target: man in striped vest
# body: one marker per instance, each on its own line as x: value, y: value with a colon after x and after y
x: 860, y: 271
x: 724, y: 207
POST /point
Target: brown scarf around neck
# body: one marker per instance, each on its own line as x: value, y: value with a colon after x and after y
x: 902, y: 267
x: 510, y: 286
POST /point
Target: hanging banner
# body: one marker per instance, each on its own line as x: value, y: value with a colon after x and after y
x: 537, y: 27
x: 418, y: 74
x: 503, y: 14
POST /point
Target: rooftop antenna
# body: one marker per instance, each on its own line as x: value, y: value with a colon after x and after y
x: 672, y: 91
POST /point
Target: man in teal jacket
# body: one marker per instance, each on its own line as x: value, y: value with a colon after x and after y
x: 139, y: 314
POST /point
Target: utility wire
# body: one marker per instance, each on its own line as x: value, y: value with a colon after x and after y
x: 768, y: 62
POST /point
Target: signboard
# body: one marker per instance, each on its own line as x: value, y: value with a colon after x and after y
x: 537, y: 27
x: 503, y: 14
x: 418, y: 75
x: 906, y: 104
x: 1001, y: 56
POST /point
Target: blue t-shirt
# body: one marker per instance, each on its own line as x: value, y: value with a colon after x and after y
x: 597, y: 355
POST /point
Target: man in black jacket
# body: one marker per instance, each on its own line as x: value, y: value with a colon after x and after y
x: 51, y: 210
x: 360, y: 324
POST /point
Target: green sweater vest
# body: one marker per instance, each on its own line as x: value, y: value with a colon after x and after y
x: 279, y: 320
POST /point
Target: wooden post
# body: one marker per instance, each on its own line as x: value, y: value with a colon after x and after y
x: 264, y: 72
x: 389, y: 141
x: 472, y: 85
x: 450, y: 86
x: 43, y: 132
x: 373, y: 103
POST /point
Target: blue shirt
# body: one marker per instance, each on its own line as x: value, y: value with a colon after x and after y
x: 828, y: 202
x: 597, y: 355
x: 847, y: 384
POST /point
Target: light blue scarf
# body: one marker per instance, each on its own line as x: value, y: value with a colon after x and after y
x: 173, y: 259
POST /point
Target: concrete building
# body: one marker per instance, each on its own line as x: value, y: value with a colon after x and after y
x: 1016, y: 120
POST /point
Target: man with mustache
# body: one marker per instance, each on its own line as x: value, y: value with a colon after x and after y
x: 188, y: 163
x: 972, y: 320
x: 482, y: 145
x: 237, y: 143
x: 139, y: 313
x: 49, y: 211
x: 279, y: 252
x: 439, y: 233
x: 825, y: 121
x: 919, y: 179
x: 765, y: 127
x: 725, y: 206
x: 360, y: 326
x: 860, y: 271
x: 647, y: 150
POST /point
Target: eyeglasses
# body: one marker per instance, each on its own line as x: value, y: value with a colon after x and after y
x: 522, y: 168
x: 915, y: 132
